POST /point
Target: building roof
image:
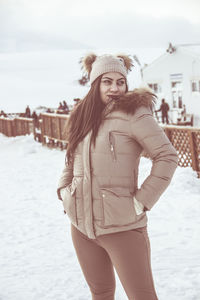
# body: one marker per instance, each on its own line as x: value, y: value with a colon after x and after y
x: 190, y: 49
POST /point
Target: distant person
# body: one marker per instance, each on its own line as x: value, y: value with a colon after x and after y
x: 164, y: 108
x: 76, y: 100
x: 65, y: 107
x: 34, y: 115
x: 27, y: 112
x: 35, y: 118
x: 3, y: 114
x: 183, y: 113
x: 60, y: 107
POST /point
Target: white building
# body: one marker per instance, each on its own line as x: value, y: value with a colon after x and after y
x: 175, y: 76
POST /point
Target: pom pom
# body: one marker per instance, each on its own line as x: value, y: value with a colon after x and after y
x: 128, y: 62
x: 87, y: 62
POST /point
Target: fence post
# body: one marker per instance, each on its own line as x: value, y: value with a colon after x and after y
x: 16, y: 127
x: 9, y: 128
x: 3, y: 126
x: 27, y: 127
x: 59, y: 129
x: 193, y: 152
x: 42, y: 126
x: 51, y: 141
x: 13, y: 129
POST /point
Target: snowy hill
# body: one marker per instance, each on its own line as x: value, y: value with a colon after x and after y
x: 37, y: 259
x: 48, y: 77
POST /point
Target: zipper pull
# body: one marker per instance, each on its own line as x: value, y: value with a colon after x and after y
x: 111, y: 141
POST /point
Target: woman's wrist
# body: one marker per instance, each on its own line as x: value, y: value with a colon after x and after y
x: 139, y: 207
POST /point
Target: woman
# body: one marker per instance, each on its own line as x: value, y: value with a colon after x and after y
x: 107, y: 133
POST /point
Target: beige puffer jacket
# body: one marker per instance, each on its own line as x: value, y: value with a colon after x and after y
x: 101, y: 182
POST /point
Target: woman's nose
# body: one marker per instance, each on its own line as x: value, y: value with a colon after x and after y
x: 114, y: 87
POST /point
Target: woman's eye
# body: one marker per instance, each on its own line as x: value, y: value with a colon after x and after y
x: 121, y: 83
x: 107, y: 82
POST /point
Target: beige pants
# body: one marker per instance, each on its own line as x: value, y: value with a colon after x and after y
x: 128, y: 252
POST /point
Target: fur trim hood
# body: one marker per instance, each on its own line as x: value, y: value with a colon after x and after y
x: 132, y: 100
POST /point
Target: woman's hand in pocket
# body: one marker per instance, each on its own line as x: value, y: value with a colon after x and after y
x: 139, y: 207
x: 62, y: 193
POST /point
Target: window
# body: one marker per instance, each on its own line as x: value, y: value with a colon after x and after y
x: 155, y: 87
x: 176, y: 89
x: 195, y: 85
x: 176, y: 85
x: 180, y: 102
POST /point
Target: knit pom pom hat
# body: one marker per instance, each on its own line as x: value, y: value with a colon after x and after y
x: 97, y: 65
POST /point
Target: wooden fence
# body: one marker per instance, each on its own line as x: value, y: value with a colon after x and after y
x: 15, y: 127
x: 50, y: 130
x: 186, y: 140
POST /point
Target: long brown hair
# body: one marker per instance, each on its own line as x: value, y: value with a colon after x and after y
x: 85, y: 116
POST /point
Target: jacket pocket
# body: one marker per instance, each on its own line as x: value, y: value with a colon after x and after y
x: 118, y: 143
x: 118, y: 207
x: 69, y: 202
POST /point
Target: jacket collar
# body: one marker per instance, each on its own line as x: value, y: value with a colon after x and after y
x: 132, y: 100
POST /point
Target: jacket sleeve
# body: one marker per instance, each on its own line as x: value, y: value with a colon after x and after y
x: 146, y: 131
x: 66, y: 178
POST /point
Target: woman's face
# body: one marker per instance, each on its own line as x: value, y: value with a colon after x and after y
x: 112, y: 84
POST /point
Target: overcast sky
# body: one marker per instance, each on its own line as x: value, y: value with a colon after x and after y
x: 27, y: 25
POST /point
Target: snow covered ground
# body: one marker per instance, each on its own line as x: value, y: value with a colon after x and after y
x: 37, y: 259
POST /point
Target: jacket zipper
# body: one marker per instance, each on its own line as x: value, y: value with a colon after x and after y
x: 112, y: 145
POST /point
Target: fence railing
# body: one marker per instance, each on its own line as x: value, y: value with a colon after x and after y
x: 186, y: 141
x: 15, y: 127
x: 51, y: 130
